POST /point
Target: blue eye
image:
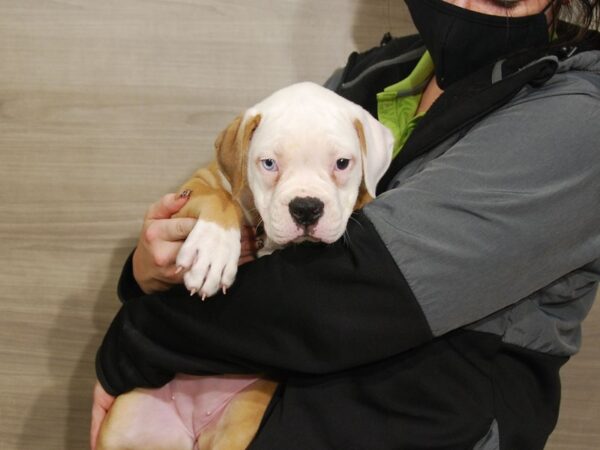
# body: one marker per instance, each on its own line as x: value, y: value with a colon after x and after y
x: 342, y: 164
x: 269, y: 164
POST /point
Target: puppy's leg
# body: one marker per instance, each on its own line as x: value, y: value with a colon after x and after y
x: 240, y: 420
x: 144, y: 420
x: 211, y: 252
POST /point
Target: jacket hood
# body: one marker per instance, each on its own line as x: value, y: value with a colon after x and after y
x: 588, y: 61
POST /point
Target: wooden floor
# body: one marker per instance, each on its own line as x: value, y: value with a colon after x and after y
x: 106, y: 105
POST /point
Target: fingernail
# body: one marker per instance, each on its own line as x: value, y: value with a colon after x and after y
x: 260, y: 243
x: 186, y: 193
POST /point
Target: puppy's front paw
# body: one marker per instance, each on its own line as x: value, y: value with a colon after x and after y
x: 210, y: 256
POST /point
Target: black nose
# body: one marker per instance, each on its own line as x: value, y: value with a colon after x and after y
x: 306, y: 210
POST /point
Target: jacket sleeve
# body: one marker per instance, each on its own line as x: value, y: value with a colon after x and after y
x: 307, y: 309
x: 127, y: 287
x: 509, y: 208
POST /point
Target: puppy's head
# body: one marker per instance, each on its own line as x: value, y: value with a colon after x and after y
x: 309, y: 158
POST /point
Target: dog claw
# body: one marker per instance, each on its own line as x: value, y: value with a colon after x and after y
x: 203, y: 297
x: 178, y: 270
x: 193, y: 292
x: 224, y: 289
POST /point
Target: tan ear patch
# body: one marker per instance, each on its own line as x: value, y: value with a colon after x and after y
x: 231, y: 151
x: 363, y: 195
x: 358, y: 126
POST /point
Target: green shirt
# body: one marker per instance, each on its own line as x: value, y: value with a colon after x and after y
x: 397, y: 104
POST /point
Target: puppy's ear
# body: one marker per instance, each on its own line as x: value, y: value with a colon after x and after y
x: 376, y: 145
x: 232, y: 149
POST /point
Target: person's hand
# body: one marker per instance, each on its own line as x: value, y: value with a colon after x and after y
x: 101, y: 404
x: 250, y: 245
x: 161, y: 238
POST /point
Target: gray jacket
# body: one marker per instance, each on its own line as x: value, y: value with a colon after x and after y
x: 498, y: 227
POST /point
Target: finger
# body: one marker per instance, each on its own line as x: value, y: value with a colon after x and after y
x: 173, y: 275
x: 165, y: 255
x: 248, y: 247
x: 102, y: 402
x: 248, y: 241
x: 168, y: 205
x: 170, y: 271
x: 247, y: 233
x: 173, y: 230
x: 98, y: 414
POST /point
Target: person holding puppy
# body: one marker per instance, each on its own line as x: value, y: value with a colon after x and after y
x: 444, y: 318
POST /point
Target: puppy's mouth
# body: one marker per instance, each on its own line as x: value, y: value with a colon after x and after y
x: 312, y: 234
x: 307, y: 235
x: 302, y: 234
x: 305, y: 221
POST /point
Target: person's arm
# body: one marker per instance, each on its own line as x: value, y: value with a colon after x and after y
x: 511, y: 207
x: 505, y: 211
x: 128, y: 287
x: 305, y: 309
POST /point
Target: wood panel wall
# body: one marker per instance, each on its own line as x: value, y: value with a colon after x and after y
x: 106, y: 105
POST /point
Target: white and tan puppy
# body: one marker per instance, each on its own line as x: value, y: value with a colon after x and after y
x: 298, y: 163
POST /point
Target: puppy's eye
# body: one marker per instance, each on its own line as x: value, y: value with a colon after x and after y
x: 269, y: 164
x: 342, y: 164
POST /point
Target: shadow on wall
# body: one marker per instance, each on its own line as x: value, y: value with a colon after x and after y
x: 363, y: 21
x: 374, y: 18
x: 371, y: 22
x: 76, y: 387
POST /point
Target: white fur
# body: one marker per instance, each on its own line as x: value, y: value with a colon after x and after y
x: 211, y: 254
x: 306, y: 129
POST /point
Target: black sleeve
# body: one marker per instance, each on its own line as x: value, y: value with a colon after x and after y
x: 128, y: 288
x: 307, y: 309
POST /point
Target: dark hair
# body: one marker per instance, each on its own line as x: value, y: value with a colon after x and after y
x: 576, y: 20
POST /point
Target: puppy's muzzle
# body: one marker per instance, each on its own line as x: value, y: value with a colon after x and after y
x: 306, y: 211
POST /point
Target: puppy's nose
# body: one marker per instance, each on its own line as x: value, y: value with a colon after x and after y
x: 306, y: 210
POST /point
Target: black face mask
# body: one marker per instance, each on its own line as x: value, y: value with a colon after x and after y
x: 461, y: 41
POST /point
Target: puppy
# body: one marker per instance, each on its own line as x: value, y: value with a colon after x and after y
x: 296, y: 165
